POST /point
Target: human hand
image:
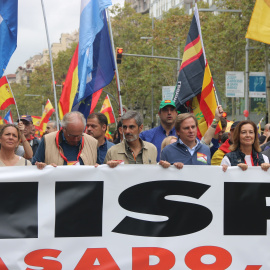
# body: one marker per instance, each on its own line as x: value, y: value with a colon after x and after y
x: 164, y: 164
x: 40, y: 165
x: 218, y: 112
x: 243, y: 166
x: 265, y: 166
x: 178, y: 165
x: 114, y: 163
x: 224, y: 167
x: 21, y: 126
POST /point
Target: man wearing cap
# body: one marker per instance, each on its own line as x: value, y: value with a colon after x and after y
x: 167, y: 114
x: 68, y: 146
x: 28, y: 126
x: 224, y: 148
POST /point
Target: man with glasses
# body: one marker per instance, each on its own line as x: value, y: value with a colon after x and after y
x: 69, y: 146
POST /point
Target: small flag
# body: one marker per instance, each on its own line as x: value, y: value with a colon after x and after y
x: 6, y: 97
x: 259, y: 25
x: 1, y: 121
x: 48, y: 111
x: 107, y: 110
x: 8, y: 119
x: 202, y: 157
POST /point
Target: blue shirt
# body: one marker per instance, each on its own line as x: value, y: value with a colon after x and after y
x: 156, y: 136
x: 70, y: 151
x: 102, y: 150
x: 178, y: 152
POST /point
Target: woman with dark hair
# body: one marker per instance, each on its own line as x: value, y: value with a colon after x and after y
x: 9, y: 141
x: 245, y: 150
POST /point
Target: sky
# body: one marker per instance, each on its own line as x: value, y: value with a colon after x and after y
x: 63, y: 16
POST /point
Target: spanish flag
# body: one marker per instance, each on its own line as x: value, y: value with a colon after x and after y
x: 48, y: 111
x: 6, y: 97
x: 195, y: 86
x: 107, y: 110
x: 259, y: 25
x: 70, y: 87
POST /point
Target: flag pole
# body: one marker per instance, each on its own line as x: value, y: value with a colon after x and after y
x: 50, y: 53
x: 14, y: 99
x: 116, y: 69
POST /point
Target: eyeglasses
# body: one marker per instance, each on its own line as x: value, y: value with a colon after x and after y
x: 73, y: 136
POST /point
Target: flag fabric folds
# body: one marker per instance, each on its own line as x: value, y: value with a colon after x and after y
x: 70, y: 87
x: 195, y: 86
x: 259, y: 25
x: 107, y: 110
x: 6, y: 97
x: 102, y: 72
x: 91, y: 23
x: 8, y: 31
x: 48, y: 111
x: 8, y: 119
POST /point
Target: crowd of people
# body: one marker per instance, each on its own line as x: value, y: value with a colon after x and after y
x: 174, y: 142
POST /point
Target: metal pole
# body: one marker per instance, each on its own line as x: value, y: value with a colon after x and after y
x: 247, y: 77
x: 152, y: 92
x: 50, y: 53
x: 267, y: 81
x: 116, y: 69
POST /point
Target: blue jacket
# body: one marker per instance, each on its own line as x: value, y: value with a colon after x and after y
x: 177, y: 152
x: 156, y: 136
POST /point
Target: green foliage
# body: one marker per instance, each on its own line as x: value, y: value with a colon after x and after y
x: 224, y: 42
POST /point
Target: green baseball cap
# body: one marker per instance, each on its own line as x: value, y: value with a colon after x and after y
x: 165, y: 103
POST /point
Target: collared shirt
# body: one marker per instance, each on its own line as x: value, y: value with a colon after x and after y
x: 191, y: 150
x: 156, y: 136
x: 131, y: 157
x: 102, y: 150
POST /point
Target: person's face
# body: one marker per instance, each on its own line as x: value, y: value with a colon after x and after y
x: 28, y: 127
x: 94, y: 128
x: 167, y: 115
x: 50, y: 128
x: 74, y: 132
x: 187, y: 131
x: 247, y: 135
x: 221, y: 133
x: 131, y: 130
x: 10, y: 138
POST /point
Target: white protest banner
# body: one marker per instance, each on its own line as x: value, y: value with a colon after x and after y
x: 139, y: 217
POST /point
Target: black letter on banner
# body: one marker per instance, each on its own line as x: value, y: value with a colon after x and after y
x: 245, y: 210
x: 148, y: 198
x: 78, y: 209
x: 18, y: 210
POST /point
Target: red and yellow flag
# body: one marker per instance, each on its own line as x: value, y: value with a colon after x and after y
x: 107, y: 110
x: 48, y: 111
x: 6, y: 97
x: 70, y: 87
x: 259, y: 25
